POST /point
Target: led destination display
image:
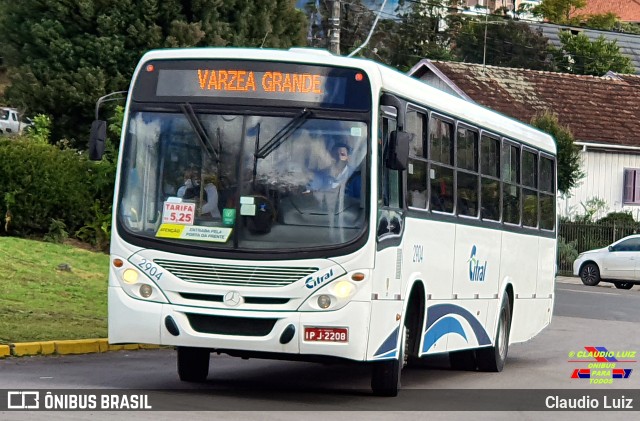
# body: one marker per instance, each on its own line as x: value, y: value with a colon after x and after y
x: 238, y: 83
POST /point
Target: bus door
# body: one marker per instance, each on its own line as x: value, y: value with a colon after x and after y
x: 390, y: 217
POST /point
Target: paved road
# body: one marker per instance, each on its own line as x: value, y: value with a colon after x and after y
x: 584, y: 316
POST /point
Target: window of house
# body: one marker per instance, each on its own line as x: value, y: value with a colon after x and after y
x: 631, y: 189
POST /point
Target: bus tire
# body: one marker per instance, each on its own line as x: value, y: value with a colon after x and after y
x: 493, y: 358
x: 385, y: 375
x: 193, y: 364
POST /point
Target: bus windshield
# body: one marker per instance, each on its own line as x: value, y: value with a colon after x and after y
x: 244, y: 181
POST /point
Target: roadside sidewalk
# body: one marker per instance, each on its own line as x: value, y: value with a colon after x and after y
x: 68, y: 347
x: 90, y: 346
x: 577, y: 281
x: 569, y: 280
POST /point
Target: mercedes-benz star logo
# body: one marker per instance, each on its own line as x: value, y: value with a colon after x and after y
x: 233, y: 298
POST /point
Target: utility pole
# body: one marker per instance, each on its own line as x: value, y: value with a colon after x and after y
x: 334, y: 28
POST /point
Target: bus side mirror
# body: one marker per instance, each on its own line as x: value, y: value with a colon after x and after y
x: 398, y: 156
x: 97, y: 139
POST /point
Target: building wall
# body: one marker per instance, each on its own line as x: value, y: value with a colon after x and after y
x: 604, y: 179
x: 433, y: 80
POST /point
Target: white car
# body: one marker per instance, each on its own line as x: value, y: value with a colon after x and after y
x: 618, y: 263
x: 11, y: 122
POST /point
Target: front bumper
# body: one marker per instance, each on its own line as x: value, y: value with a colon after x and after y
x: 137, y: 321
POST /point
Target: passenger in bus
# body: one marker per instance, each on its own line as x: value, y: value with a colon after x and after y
x: 190, y: 189
x: 211, y: 206
x: 339, y: 174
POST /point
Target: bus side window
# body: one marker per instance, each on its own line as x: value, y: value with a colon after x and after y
x: 441, y: 164
x: 416, y: 124
x: 490, y: 180
x: 389, y: 180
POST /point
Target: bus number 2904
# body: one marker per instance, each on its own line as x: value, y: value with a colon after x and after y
x: 150, y: 269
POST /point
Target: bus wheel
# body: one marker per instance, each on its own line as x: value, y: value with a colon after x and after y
x: 493, y: 358
x: 385, y: 375
x: 193, y: 364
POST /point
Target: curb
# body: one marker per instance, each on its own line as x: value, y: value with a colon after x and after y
x: 68, y: 347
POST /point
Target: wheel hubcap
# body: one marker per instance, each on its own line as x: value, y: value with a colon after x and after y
x: 589, y: 274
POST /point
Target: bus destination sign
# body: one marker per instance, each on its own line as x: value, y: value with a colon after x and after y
x: 250, y: 84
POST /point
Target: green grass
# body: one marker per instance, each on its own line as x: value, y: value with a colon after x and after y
x: 40, y: 302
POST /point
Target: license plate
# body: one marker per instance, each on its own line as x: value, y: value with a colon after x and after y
x: 326, y: 334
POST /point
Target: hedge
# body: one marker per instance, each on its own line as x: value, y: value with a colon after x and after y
x: 41, y: 184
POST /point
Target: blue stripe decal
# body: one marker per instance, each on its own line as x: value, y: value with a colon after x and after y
x: 443, y: 326
x: 389, y: 355
x: 438, y: 311
x: 390, y: 344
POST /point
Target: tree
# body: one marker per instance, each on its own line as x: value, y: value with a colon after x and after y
x: 424, y: 31
x: 508, y: 44
x: 568, y: 157
x: 579, y: 55
x: 604, y: 21
x: 63, y: 55
x: 356, y: 20
x: 558, y: 11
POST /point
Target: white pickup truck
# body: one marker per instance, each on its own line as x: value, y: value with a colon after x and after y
x: 11, y: 122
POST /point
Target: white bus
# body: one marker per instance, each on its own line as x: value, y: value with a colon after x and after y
x: 300, y: 205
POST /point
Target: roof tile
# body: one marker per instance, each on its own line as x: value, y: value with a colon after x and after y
x: 596, y: 109
x: 626, y: 10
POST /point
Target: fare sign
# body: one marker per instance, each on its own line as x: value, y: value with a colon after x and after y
x: 178, y: 213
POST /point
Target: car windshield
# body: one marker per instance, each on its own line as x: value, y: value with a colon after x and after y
x: 244, y: 181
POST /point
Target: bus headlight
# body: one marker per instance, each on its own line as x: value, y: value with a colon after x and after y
x: 333, y: 296
x: 137, y: 284
x: 146, y: 290
x: 324, y: 301
x: 343, y: 289
x: 130, y: 276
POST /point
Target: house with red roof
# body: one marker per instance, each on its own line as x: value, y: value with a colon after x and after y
x: 626, y: 10
x: 603, y: 114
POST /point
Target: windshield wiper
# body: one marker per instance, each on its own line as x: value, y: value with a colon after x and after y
x: 201, y: 133
x: 283, y: 134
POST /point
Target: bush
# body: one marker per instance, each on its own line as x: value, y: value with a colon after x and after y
x: 567, y: 254
x: 42, y: 183
x: 620, y: 218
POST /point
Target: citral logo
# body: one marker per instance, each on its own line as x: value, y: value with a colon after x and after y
x: 477, y: 271
x: 312, y: 282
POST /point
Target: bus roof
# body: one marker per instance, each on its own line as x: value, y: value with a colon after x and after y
x: 386, y: 79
